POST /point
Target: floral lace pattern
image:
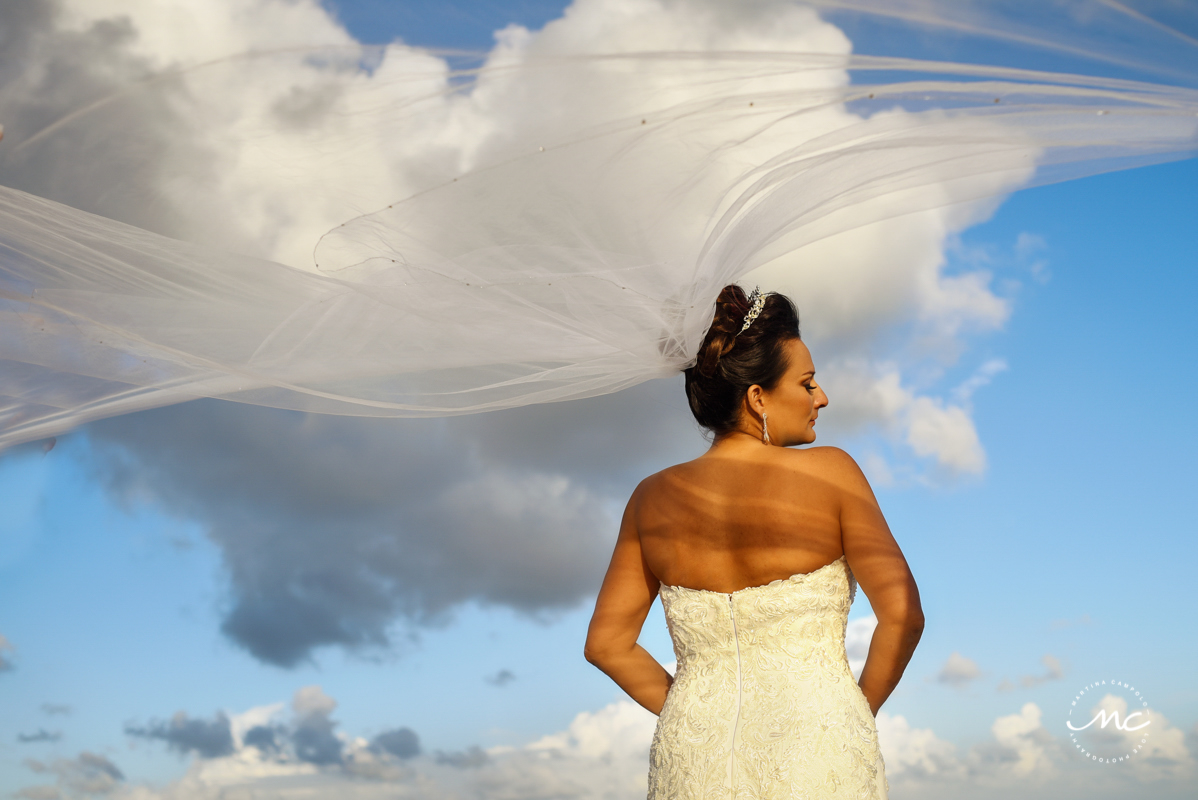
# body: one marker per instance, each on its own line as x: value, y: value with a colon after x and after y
x: 764, y: 705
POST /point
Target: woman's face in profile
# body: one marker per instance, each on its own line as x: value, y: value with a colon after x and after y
x: 794, y: 403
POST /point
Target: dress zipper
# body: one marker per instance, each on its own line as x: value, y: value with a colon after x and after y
x: 739, y: 700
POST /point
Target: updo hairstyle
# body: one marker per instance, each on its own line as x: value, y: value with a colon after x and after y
x: 729, y: 364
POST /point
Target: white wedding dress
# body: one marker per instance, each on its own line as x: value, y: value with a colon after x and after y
x: 764, y: 705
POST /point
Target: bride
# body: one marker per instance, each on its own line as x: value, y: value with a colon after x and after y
x: 755, y: 550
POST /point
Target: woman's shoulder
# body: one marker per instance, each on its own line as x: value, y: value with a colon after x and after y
x: 662, y: 477
x: 832, y: 465
x: 829, y: 463
x: 665, y: 481
x: 825, y: 455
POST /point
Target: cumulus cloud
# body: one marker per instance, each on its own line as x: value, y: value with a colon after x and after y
x: 603, y: 754
x: 1024, y: 758
x: 958, y: 670
x: 471, y: 758
x: 87, y: 774
x: 872, y: 396
x: 1021, y: 744
x: 401, y: 743
x: 267, y: 741
x: 1158, y: 750
x: 208, y: 738
x: 313, y: 735
x: 909, y: 751
x: 333, y: 529
x: 857, y: 636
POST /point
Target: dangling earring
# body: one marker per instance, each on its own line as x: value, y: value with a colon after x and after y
x: 765, y: 428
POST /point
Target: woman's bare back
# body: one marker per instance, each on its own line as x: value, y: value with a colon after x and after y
x: 725, y: 524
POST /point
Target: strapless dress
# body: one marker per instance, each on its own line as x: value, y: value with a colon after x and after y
x: 763, y: 704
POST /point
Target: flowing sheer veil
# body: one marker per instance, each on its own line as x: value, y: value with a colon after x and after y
x: 511, y: 269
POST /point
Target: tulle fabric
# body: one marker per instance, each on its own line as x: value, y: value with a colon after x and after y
x: 511, y: 273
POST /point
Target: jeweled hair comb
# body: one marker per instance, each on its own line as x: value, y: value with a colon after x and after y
x: 756, y: 303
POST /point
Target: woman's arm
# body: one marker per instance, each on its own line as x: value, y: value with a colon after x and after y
x: 882, y: 571
x: 624, y: 601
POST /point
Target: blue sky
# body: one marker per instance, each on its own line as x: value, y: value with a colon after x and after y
x: 1077, y: 542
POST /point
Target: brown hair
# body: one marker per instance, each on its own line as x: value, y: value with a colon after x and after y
x: 728, y: 364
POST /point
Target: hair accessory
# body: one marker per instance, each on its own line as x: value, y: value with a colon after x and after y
x: 756, y: 303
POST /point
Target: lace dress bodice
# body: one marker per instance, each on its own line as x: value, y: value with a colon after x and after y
x: 763, y: 704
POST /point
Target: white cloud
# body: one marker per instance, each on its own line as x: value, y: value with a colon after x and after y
x: 873, y: 395
x: 946, y: 433
x: 603, y: 755
x: 620, y: 730
x: 1160, y: 748
x: 1028, y: 246
x: 857, y: 636
x: 911, y: 751
x: 981, y: 377
x: 257, y: 717
x: 236, y: 183
x: 1024, y: 759
x: 226, y: 140
x: 313, y: 700
x: 958, y: 670
x: 1021, y: 733
x: 195, y: 31
x: 87, y: 774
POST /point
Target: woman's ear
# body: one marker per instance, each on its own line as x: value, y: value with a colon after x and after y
x: 755, y: 399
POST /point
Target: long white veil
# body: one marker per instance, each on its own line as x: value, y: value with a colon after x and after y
x: 470, y: 273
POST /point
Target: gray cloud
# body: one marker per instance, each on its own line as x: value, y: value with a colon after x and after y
x: 471, y: 758
x: 1052, y: 671
x: 39, y: 793
x: 208, y: 738
x: 74, y: 70
x: 401, y: 743
x: 315, y: 741
x: 333, y: 528
x: 263, y: 737
x: 312, y: 736
x: 88, y: 774
x: 958, y: 671
x: 56, y: 709
x: 133, y: 144
x: 40, y: 735
x: 501, y: 678
x: 7, y: 648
